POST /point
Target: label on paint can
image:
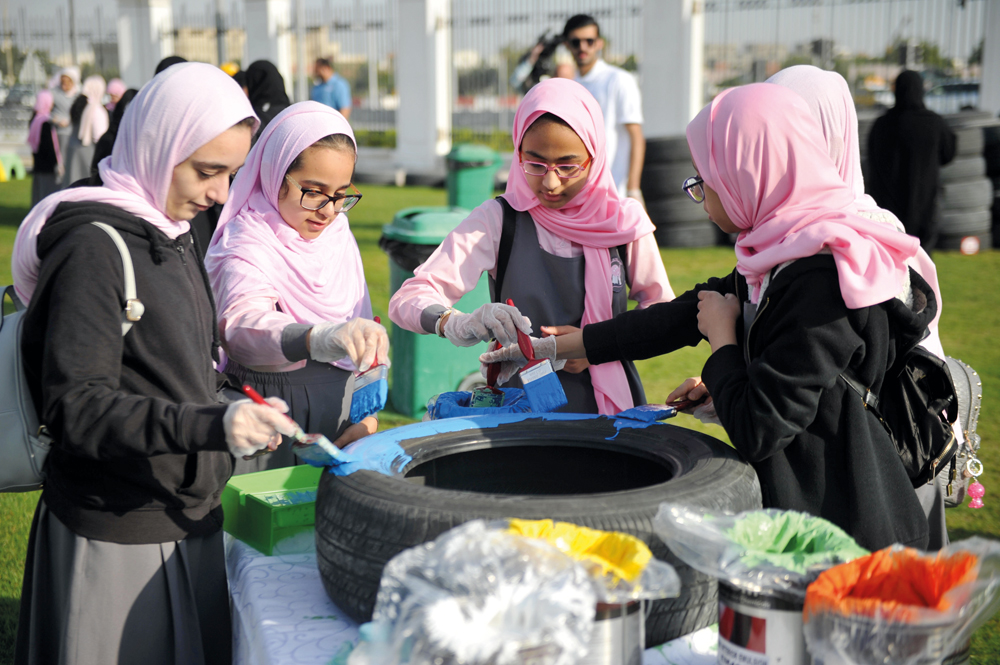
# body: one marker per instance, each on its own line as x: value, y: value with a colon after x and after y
x: 486, y: 398
x: 759, y: 629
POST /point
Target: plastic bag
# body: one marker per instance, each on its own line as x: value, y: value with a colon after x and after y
x: 456, y: 404
x: 480, y: 594
x: 902, y: 605
x: 621, y: 565
x: 768, y: 551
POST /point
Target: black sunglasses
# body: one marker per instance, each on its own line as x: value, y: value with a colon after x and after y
x: 575, y: 42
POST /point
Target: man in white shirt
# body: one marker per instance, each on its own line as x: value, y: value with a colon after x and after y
x: 617, y: 92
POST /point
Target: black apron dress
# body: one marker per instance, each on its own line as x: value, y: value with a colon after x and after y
x: 549, y: 290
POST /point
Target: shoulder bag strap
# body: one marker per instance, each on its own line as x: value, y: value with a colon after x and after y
x: 133, y: 309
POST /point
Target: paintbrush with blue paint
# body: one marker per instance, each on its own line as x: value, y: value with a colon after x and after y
x: 649, y: 413
x: 541, y: 385
x: 316, y: 449
x: 371, y: 389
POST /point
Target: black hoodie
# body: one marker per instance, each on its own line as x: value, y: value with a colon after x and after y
x: 813, y: 444
x: 140, y: 454
x: 906, y: 149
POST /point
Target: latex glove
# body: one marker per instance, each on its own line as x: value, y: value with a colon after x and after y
x: 507, y: 369
x: 705, y: 412
x: 250, y: 427
x: 512, y: 359
x: 694, y: 389
x: 637, y: 195
x: 361, y: 340
x: 491, y: 321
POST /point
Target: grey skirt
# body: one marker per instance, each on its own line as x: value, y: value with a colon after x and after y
x: 318, y: 398
x: 42, y: 184
x: 88, y: 602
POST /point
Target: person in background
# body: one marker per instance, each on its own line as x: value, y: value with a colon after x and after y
x: 266, y: 90
x: 168, y: 61
x: 617, y: 92
x: 116, y: 88
x: 62, y: 102
x: 577, y: 250
x: 906, y: 149
x: 125, y: 559
x: 288, y: 277
x: 44, y: 149
x: 565, y: 70
x: 106, y: 143
x: 90, y: 121
x: 332, y: 89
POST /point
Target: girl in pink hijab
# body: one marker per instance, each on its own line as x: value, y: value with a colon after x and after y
x: 125, y: 559
x: 44, y: 144
x: 294, y: 312
x: 116, y: 88
x: 561, y: 242
x: 811, y: 297
x: 90, y: 121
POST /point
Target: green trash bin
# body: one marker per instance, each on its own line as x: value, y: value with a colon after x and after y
x: 427, y: 365
x: 471, y: 169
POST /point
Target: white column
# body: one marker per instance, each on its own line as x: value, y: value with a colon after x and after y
x: 673, y: 40
x: 145, y: 36
x: 269, y: 36
x: 423, y: 82
x: 989, y: 91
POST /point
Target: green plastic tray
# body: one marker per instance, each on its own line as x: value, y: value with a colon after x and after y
x: 266, y: 507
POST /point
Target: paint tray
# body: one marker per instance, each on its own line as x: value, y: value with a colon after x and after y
x: 267, y: 508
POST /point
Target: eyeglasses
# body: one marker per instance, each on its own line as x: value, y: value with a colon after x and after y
x: 693, y: 188
x: 313, y: 199
x: 575, y: 43
x: 563, y: 171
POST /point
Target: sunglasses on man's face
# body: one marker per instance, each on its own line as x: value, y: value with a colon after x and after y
x: 576, y: 42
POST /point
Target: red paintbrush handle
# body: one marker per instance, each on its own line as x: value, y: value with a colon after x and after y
x: 378, y: 321
x: 523, y: 341
x: 492, y: 374
x: 254, y: 395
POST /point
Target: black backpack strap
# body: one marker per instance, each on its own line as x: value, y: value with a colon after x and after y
x: 506, y: 245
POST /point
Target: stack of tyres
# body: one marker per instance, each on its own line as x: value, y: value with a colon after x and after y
x: 679, y: 221
x: 966, y: 195
x: 991, y: 152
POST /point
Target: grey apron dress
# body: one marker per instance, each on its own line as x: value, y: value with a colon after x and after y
x: 164, y: 603
x: 549, y: 290
x: 318, y: 398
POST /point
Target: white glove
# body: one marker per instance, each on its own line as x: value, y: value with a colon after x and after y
x: 511, y: 359
x: 361, y: 340
x: 250, y: 426
x: 705, y: 412
x: 491, y: 321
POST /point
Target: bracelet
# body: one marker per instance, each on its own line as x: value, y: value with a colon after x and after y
x: 439, y: 326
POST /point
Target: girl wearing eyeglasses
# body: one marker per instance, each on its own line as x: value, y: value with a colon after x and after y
x: 561, y: 243
x: 814, y: 290
x: 294, y: 312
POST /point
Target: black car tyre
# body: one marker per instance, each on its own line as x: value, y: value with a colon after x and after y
x: 585, y: 471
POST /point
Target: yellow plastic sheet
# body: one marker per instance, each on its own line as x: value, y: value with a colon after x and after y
x: 618, y: 554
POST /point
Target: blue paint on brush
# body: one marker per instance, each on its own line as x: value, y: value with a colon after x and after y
x: 383, y: 452
x: 371, y: 390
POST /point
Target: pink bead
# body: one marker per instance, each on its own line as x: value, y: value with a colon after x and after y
x: 976, y: 491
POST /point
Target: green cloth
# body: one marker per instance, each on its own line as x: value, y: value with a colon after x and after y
x: 794, y: 541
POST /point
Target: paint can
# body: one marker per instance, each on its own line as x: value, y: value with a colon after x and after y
x: 759, y: 628
x: 905, y: 640
x: 619, y: 635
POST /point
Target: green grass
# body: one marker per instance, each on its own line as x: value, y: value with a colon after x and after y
x: 968, y: 327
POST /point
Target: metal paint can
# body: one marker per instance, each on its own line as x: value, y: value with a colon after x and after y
x: 619, y: 635
x: 759, y: 629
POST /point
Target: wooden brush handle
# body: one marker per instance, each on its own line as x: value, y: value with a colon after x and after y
x: 523, y: 341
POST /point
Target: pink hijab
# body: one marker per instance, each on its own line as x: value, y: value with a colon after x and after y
x: 597, y: 218
x: 829, y: 98
x: 116, y: 88
x: 775, y: 179
x: 94, y: 121
x: 255, y: 252
x: 43, y: 111
x: 177, y: 112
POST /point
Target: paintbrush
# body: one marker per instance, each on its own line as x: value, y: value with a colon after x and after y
x: 371, y: 389
x: 316, y: 449
x: 541, y: 385
x: 649, y: 413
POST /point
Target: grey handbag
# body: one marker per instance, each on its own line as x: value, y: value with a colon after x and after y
x: 24, y: 442
x: 969, y: 389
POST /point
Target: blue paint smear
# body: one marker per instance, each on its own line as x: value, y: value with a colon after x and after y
x: 383, y: 453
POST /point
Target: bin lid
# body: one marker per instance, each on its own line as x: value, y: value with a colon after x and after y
x: 424, y: 225
x: 467, y: 155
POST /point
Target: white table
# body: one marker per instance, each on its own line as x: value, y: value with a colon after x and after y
x: 282, y: 615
